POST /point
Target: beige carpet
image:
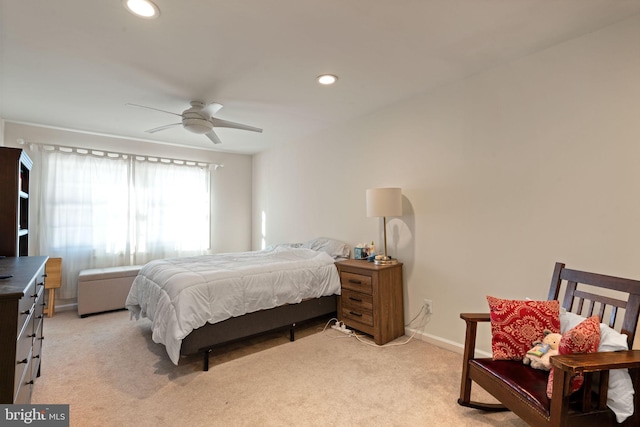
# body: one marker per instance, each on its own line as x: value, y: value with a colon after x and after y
x: 112, y: 374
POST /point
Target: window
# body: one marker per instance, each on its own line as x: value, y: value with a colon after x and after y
x: 107, y: 210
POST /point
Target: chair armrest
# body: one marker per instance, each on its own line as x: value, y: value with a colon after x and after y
x: 472, y: 320
x: 599, y: 361
x: 475, y: 317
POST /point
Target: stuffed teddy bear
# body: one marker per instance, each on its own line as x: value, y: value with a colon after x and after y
x: 538, y: 356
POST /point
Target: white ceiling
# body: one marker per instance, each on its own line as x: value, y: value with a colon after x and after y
x: 74, y: 64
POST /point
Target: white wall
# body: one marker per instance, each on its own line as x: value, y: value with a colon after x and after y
x: 503, y: 174
x: 231, y: 185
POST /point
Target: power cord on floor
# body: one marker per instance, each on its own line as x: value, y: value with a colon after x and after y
x: 422, y: 315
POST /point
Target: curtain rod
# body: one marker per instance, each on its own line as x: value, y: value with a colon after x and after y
x: 116, y: 154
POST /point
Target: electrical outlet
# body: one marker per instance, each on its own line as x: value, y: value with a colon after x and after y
x: 428, y: 306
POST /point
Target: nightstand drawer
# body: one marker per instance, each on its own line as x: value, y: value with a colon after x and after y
x: 357, y: 306
x: 357, y: 300
x: 362, y: 316
x: 356, y: 282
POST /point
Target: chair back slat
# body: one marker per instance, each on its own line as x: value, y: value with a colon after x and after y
x: 612, y: 318
x: 575, y: 297
x: 601, y: 312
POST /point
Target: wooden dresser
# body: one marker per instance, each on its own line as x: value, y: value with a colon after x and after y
x: 21, y: 321
x: 371, y: 299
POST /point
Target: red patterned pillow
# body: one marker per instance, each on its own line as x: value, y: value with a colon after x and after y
x: 583, y: 338
x: 516, y: 324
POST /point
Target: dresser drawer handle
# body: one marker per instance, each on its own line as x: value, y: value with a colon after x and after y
x: 39, y: 316
x: 356, y: 282
x: 41, y: 284
x: 22, y: 361
x: 34, y: 295
x: 37, y: 356
x: 31, y: 336
x: 355, y: 314
x: 26, y: 312
x: 29, y: 382
x: 355, y: 299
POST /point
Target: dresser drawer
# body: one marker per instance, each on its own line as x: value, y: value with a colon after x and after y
x: 357, y: 306
x: 356, y: 282
x: 25, y: 309
x: 37, y: 351
x: 38, y: 309
x: 24, y: 347
x: 22, y: 395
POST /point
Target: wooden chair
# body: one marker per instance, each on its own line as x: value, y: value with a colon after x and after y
x: 52, y: 282
x: 521, y: 389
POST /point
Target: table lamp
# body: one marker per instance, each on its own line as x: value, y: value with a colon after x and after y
x: 384, y: 202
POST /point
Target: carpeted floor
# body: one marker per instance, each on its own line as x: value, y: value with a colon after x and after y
x: 111, y: 373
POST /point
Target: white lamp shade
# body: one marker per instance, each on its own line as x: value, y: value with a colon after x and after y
x: 384, y: 202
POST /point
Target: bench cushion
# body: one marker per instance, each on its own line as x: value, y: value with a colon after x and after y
x: 109, y: 273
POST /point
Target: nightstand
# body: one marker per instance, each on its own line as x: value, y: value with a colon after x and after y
x: 371, y: 299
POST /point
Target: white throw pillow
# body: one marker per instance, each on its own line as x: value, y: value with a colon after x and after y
x: 620, y: 394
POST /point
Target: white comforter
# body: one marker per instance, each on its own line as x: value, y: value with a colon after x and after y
x: 182, y: 294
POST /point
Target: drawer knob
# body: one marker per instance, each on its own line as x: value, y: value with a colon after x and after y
x: 41, y: 284
x: 26, y: 312
x: 31, y: 336
x: 355, y: 313
x: 29, y: 382
x: 22, y: 361
x: 34, y: 295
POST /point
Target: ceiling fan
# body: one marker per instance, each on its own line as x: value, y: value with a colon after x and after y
x: 199, y: 119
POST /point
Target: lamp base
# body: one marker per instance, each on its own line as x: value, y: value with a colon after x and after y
x: 387, y: 260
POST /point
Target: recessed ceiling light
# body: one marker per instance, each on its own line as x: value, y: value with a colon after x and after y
x: 327, y: 79
x: 142, y: 8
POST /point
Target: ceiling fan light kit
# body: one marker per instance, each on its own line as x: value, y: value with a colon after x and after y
x: 196, y: 125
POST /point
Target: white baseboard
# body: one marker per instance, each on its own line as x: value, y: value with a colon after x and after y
x: 456, y: 347
x: 67, y: 307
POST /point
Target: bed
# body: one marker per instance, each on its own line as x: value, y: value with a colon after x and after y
x: 197, y: 303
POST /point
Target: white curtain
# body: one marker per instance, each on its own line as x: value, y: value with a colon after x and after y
x: 172, y: 206
x: 109, y: 210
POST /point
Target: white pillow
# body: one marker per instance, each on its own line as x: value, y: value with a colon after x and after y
x: 335, y: 248
x: 620, y: 394
x: 283, y: 245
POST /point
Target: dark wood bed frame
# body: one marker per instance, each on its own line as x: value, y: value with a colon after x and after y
x: 206, y: 338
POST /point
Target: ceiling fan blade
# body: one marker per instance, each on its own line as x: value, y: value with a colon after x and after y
x: 158, y: 129
x: 151, y: 108
x: 213, y: 137
x: 212, y: 108
x: 219, y: 123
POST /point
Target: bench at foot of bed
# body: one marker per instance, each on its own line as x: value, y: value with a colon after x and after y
x: 104, y: 289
